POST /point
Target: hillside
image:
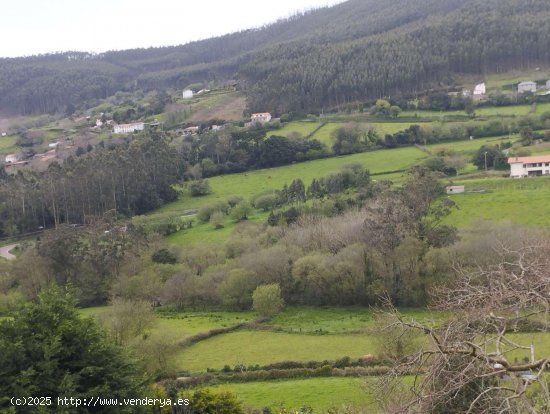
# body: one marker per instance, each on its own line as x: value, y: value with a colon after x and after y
x: 356, y: 50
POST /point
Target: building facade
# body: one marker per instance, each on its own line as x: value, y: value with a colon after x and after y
x: 260, y: 118
x: 187, y: 94
x: 528, y: 86
x: 128, y: 128
x: 529, y: 166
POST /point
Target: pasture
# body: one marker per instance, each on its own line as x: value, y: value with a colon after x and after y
x: 8, y: 144
x: 264, y: 347
x: 519, y: 201
x: 253, y: 182
x: 320, y: 394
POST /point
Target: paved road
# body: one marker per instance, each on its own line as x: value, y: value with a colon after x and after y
x: 5, y: 252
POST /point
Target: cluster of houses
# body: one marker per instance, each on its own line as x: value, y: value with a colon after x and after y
x: 480, y: 90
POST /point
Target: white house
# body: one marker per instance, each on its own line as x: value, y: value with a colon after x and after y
x: 188, y: 93
x: 260, y: 118
x: 53, y: 144
x: 480, y: 89
x: 529, y: 166
x: 548, y: 84
x: 128, y: 128
x: 527, y: 86
x: 11, y: 158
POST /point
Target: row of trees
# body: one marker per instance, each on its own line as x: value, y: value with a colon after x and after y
x: 127, y: 179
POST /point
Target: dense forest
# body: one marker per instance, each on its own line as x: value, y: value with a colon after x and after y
x: 126, y: 179
x: 320, y: 59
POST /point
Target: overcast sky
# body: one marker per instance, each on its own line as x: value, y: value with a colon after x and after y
x: 30, y: 27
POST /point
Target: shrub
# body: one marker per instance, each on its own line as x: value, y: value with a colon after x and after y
x: 205, y: 212
x: 164, y: 256
x: 241, y: 211
x: 199, y: 188
x: 217, y: 220
x: 266, y: 300
x: 266, y: 202
x: 233, y: 200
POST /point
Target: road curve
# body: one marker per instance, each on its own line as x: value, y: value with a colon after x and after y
x: 5, y: 252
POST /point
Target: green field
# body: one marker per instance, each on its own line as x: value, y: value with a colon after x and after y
x: 339, y: 320
x: 205, y: 232
x: 263, y: 347
x: 253, y: 182
x: 8, y: 144
x: 423, y: 113
x: 521, y: 201
x: 543, y: 107
x: 513, y: 110
x: 302, y: 127
x: 319, y: 393
x: 468, y: 147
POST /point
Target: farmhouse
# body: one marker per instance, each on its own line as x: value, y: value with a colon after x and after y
x: 128, y: 128
x: 480, y: 89
x: 529, y: 166
x: 527, y: 86
x: 259, y: 119
x: 11, y: 158
x: 187, y: 94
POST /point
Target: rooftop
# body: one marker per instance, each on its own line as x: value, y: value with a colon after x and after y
x: 529, y: 160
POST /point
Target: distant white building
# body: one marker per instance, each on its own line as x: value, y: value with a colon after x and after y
x: 203, y: 91
x: 98, y: 123
x: 527, y: 86
x: 548, y: 84
x: 187, y: 94
x: 480, y: 89
x: 53, y: 144
x: 529, y: 166
x: 455, y: 189
x: 259, y: 119
x: 11, y: 158
x: 128, y: 128
x: 218, y: 127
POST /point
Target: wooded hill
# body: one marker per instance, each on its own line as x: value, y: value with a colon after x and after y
x: 354, y: 51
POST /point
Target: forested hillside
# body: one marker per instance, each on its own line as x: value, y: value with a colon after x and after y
x: 357, y: 50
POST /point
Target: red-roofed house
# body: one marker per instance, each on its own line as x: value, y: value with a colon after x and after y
x: 529, y: 166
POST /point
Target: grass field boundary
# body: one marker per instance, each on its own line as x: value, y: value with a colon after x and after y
x: 220, y: 331
x: 328, y: 370
x: 312, y: 133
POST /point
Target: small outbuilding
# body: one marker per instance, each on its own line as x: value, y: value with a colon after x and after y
x: 187, y: 94
x: 455, y: 189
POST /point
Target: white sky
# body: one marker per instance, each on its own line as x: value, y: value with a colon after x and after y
x: 30, y: 27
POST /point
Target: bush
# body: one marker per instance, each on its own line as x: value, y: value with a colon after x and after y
x: 266, y: 202
x: 205, y: 212
x: 217, y: 220
x: 199, y: 188
x: 233, y: 200
x: 241, y: 211
x: 267, y: 301
x: 164, y: 256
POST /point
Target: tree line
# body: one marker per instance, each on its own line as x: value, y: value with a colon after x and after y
x: 127, y: 179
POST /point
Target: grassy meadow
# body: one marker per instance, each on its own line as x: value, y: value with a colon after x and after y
x: 253, y: 182
x: 520, y: 201
x: 321, y: 394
